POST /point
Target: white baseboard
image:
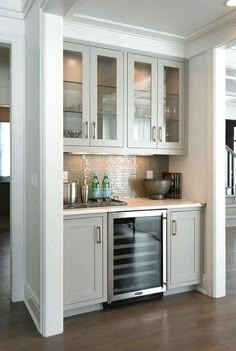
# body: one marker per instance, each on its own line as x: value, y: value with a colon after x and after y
x: 81, y: 310
x: 32, y: 303
x: 179, y: 290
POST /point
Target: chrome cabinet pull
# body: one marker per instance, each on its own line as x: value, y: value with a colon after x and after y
x: 99, y: 235
x: 86, y: 133
x: 160, y: 134
x: 153, y: 133
x: 174, y: 227
x: 94, y: 130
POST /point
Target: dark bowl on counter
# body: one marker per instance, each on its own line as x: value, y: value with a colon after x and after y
x: 156, y: 189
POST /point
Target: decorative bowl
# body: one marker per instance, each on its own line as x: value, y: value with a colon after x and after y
x: 157, y: 188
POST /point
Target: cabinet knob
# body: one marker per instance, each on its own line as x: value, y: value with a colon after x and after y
x: 99, y: 235
x: 174, y: 227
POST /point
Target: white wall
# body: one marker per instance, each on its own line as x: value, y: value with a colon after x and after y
x: 33, y: 181
x: 193, y: 165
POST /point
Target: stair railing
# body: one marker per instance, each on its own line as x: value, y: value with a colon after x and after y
x: 230, y: 175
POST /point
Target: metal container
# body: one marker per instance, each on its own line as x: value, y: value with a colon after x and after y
x: 84, y: 192
x: 157, y: 188
x: 70, y: 192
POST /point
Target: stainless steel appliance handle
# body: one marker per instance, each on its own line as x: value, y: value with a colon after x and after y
x: 86, y: 132
x: 174, y: 227
x: 153, y: 133
x: 164, y: 226
x: 160, y: 134
x: 99, y: 234
x: 94, y: 130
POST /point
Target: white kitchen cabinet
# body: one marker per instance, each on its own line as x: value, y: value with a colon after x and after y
x: 183, y: 242
x: 125, y: 101
x: 76, y: 95
x: 142, y: 101
x: 171, y: 105
x: 93, y: 96
x: 107, y: 94
x: 85, y: 261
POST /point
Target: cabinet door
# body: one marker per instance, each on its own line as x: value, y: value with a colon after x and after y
x: 107, y: 92
x: 76, y: 94
x: 184, y: 248
x: 142, y: 101
x: 171, y: 105
x: 83, y: 260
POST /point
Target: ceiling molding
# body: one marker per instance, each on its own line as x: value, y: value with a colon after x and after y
x: 124, y: 27
x: 11, y: 14
x: 26, y: 7
x: 124, y: 39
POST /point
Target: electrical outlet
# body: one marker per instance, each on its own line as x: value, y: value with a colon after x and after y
x: 150, y: 174
x: 65, y: 176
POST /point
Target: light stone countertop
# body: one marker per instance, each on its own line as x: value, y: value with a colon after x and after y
x: 136, y: 204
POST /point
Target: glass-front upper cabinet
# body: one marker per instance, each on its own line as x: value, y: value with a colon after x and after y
x: 142, y: 101
x: 171, y: 105
x: 76, y: 94
x: 107, y: 94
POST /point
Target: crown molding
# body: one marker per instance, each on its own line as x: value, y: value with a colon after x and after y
x: 217, y: 33
x: 124, y: 27
x: 124, y: 39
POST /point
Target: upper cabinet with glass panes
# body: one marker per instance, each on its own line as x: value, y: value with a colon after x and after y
x: 117, y: 100
x: 93, y: 96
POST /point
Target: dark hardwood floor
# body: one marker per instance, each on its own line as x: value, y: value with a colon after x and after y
x: 185, y: 322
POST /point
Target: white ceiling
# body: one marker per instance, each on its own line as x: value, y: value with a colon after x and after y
x: 178, y: 17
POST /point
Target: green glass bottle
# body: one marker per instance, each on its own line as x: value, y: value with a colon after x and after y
x: 95, y: 187
x: 105, y: 187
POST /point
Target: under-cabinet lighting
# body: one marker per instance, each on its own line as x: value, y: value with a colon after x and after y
x: 230, y: 3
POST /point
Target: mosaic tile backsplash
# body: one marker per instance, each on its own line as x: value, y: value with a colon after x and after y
x: 126, y: 173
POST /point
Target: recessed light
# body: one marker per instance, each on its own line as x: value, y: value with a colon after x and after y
x: 230, y: 3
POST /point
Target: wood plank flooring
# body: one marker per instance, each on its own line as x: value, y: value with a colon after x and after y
x: 185, y: 322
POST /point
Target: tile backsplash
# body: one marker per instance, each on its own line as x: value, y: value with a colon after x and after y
x: 126, y: 173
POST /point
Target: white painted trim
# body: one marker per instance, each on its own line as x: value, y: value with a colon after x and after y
x: 125, y: 27
x: 82, y: 310
x: 215, y: 211
x: 51, y: 97
x: 32, y: 303
x: 123, y: 39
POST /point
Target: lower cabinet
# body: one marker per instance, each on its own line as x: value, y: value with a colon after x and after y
x: 184, y: 248
x: 85, y: 261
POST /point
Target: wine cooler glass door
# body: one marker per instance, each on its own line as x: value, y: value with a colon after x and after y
x: 138, y: 256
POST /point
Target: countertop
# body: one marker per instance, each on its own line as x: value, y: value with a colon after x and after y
x: 136, y: 204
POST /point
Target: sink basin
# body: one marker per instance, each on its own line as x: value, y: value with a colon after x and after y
x: 157, y: 188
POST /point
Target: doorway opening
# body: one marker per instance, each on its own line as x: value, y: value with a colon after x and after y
x: 5, y: 174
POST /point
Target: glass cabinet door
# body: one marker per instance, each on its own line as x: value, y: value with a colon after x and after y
x: 107, y: 110
x: 142, y: 101
x: 171, y: 105
x: 76, y: 94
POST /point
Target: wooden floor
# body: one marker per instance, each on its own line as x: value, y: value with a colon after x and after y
x: 185, y: 322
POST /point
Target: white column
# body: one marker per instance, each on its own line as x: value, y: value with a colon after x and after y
x: 52, y: 173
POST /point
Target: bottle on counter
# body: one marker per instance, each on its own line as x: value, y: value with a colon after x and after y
x: 105, y: 187
x: 95, y: 187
